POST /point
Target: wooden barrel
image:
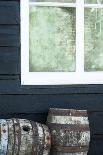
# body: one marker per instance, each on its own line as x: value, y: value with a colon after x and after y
x: 24, y: 137
x: 70, y: 132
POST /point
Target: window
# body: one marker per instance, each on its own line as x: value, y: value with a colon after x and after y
x: 61, y: 42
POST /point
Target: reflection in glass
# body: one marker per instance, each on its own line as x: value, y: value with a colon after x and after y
x: 64, y: 1
x: 93, y: 39
x: 94, y: 1
x: 52, y: 39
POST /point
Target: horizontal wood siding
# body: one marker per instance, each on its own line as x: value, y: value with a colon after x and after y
x: 9, y: 12
x: 33, y: 102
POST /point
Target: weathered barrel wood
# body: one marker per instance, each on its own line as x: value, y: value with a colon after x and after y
x: 60, y: 153
x: 4, y: 137
x: 10, y: 137
x: 24, y: 137
x: 47, y: 140
x: 70, y: 131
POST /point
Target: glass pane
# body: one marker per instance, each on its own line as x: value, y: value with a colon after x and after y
x: 94, y: 1
x: 52, y: 39
x: 93, y: 39
x: 64, y: 1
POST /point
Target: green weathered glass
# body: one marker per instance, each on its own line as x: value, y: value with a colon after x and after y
x: 52, y: 39
x: 64, y: 1
x: 94, y: 1
x: 93, y: 39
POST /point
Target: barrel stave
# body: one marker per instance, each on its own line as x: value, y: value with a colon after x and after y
x: 10, y: 137
x: 40, y: 139
x: 47, y: 140
x: 4, y: 137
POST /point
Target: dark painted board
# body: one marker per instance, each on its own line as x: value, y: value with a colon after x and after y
x: 9, y: 12
x: 9, y: 35
x: 41, y: 103
x: 96, y: 146
x: 41, y: 118
x: 9, y: 40
x: 96, y: 122
x: 9, y: 61
x: 10, y: 0
x: 9, y: 84
x: 9, y: 30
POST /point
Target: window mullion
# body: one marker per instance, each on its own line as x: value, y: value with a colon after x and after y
x: 80, y: 36
x: 93, y: 6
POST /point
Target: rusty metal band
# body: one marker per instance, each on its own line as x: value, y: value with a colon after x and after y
x: 70, y: 149
x: 17, y: 136
x: 68, y: 112
x: 13, y: 149
x: 69, y: 127
x: 35, y: 134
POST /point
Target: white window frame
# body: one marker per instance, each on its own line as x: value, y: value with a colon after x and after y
x: 57, y: 78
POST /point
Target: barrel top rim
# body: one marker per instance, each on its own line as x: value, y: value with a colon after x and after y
x: 68, y: 112
x: 61, y: 109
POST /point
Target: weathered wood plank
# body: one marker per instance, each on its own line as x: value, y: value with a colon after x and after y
x: 3, y: 136
x: 9, y: 60
x: 9, y: 12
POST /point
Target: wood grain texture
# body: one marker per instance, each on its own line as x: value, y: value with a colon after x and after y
x: 70, y: 132
x: 9, y: 61
x: 9, y: 12
x: 21, y: 137
x: 38, y: 99
x: 42, y: 103
x: 9, y: 36
x: 10, y: 80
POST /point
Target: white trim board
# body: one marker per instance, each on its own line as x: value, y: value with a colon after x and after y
x: 57, y: 78
x: 56, y: 4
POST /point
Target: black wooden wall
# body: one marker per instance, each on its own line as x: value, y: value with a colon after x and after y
x: 33, y: 102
